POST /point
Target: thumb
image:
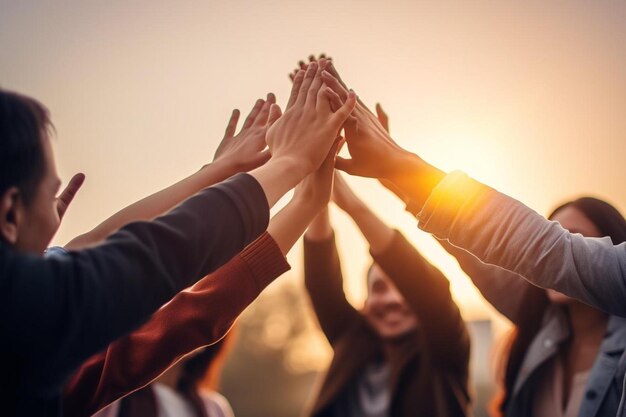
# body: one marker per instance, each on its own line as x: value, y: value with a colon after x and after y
x: 275, y: 113
x: 346, y: 165
x: 341, y: 115
x: 68, y: 194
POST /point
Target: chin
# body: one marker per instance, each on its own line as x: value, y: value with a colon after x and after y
x: 396, y: 334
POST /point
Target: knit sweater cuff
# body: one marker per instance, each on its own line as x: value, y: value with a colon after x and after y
x: 264, y: 260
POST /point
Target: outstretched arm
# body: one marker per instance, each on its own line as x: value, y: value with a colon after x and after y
x: 235, y: 153
x: 201, y: 315
x: 496, y: 228
x: 424, y: 287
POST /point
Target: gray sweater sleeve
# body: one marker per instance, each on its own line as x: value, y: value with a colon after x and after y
x: 504, y: 232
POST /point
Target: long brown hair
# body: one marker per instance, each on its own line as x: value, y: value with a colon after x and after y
x: 609, y: 222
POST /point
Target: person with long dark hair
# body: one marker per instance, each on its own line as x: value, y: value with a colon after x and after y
x: 564, y: 357
x: 406, y: 352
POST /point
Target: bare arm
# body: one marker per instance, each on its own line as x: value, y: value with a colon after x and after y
x: 203, y: 314
x: 236, y: 153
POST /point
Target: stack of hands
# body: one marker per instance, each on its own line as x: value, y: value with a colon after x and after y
x: 298, y: 148
x: 302, y: 144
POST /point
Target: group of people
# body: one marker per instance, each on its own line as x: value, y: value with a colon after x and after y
x: 152, y: 291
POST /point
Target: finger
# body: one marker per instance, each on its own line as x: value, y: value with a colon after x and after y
x: 309, y: 76
x: 253, y: 113
x: 330, y: 98
x: 382, y: 117
x: 340, y: 142
x: 323, y: 55
x: 341, y: 115
x: 274, y: 115
x: 68, y: 194
x: 263, y: 115
x: 316, y: 85
x: 232, y: 124
x: 333, y: 71
x: 346, y: 165
x: 302, y: 65
x: 334, y: 84
x: 295, y: 88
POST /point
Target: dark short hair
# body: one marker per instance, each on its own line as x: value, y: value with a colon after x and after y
x: 23, y: 124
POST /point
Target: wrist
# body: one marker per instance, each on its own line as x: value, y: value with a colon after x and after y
x: 290, y: 167
x: 307, y: 206
x: 218, y: 169
x: 320, y: 229
x: 415, y: 178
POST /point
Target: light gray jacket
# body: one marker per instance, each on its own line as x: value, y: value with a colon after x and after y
x: 504, y: 232
x: 505, y: 291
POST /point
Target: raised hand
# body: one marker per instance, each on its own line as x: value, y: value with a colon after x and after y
x: 302, y: 65
x: 309, y: 126
x: 374, y: 153
x: 315, y: 190
x: 246, y: 150
x: 67, y: 195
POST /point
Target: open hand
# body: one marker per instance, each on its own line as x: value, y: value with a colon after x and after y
x: 374, y: 153
x: 311, y: 123
x: 246, y: 150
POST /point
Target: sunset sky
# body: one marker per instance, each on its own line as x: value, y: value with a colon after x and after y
x: 529, y: 97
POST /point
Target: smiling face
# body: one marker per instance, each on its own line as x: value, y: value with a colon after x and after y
x: 386, y: 309
x: 575, y: 221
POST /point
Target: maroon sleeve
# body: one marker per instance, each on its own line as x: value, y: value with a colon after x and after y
x: 194, y: 318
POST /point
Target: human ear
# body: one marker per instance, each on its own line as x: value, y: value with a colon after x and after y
x: 11, y: 208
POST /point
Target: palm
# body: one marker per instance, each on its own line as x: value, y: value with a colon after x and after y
x: 246, y: 150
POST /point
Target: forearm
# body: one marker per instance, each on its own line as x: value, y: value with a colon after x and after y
x: 320, y: 228
x: 502, y: 231
x: 375, y: 231
x: 287, y: 225
x: 278, y: 176
x: 414, y: 179
x: 156, y: 204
